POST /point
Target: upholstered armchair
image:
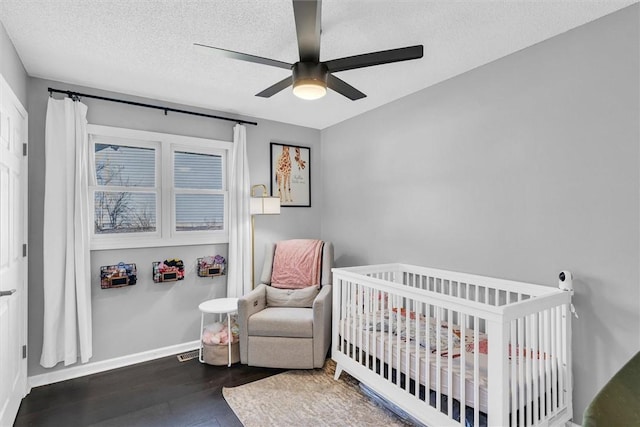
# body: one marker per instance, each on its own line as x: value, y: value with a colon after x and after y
x: 281, y: 328
x: 618, y: 401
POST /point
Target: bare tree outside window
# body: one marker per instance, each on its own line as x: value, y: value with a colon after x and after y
x: 119, y: 168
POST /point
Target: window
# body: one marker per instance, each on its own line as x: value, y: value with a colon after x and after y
x: 125, y: 194
x: 152, y: 189
x: 199, y: 199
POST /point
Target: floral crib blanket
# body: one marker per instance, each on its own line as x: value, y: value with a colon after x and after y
x: 397, y: 323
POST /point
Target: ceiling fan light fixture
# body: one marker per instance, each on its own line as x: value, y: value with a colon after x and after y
x: 309, y: 89
x: 309, y: 80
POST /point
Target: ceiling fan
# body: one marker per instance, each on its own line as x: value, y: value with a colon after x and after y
x: 310, y: 76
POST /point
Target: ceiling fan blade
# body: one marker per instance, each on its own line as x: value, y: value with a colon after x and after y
x: 344, y: 88
x: 307, y: 16
x: 273, y: 89
x: 375, y: 58
x: 244, y: 56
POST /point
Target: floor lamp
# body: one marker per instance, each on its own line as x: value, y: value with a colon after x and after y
x: 260, y: 205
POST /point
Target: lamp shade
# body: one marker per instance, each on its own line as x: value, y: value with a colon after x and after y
x: 264, y: 206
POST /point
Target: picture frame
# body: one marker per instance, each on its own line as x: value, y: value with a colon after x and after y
x: 291, y: 174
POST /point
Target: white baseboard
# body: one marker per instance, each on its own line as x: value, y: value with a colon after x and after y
x: 571, y: 424
x: 106, y: 365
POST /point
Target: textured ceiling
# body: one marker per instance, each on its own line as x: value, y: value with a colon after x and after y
x: 146, y: 48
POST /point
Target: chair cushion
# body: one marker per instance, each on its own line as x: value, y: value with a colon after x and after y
x: 291, y: 297
x: 290, y: 322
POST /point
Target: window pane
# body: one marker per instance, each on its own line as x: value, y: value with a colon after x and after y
x: 125, y: 166
x: 124, y: 212
x: 198, y: 171
x: 199, y: 212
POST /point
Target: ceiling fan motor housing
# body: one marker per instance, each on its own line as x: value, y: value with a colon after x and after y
x: 309, y: 72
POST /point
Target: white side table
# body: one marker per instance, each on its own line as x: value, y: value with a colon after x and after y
x: 218, y: 306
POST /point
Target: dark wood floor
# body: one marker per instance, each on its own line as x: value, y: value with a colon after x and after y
x: 163, y: 392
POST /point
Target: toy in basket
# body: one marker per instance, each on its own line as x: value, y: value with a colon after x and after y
x: 168, y: 270
x: 211, y: 266
x: 117, y: 276
x: 215, y: 342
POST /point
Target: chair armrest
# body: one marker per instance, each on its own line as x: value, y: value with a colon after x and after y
x: 322, y: 310
x: 248, y: 305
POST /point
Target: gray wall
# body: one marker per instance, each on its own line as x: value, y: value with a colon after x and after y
x: 148, y: 316
x: 11, y: 67
x: 519, y: 169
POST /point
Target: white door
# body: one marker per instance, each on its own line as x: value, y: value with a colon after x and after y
x: 13, y: 264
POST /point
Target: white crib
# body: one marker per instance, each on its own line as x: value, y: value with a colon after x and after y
x: 428, y: 340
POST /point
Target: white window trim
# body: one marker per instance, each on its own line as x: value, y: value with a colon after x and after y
x: 165, y: 234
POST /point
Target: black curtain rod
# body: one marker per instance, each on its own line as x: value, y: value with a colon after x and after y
x: 72, y: 94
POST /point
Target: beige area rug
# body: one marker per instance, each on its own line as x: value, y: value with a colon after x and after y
x: 306, y: 398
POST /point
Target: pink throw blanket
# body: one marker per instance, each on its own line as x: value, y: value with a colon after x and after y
x: 297, y: 264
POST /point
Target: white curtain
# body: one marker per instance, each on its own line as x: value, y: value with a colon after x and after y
x: 239, y: 258
x: 67, y: 276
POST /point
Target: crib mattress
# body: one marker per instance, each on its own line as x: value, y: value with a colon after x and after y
x: 412, y: 359
x: 403, y: 355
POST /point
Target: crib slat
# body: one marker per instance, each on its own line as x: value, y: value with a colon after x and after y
x: 346, y: 306
x: 338, y: 295
x: 559, y: 358
x: 438, y: 333
x: 536, y: 364
x: 547, y: 361
x: 399, y: 328
x: 463, y: 368
x: 354, y: 333
x: 358, y: 323
x: 388, y: 335
x: 565, y: 359
x: 367, y: 349
x: 416, y: 389
x: 449, y: 366
x: 554, y: 362
x: 528, y: 370
x: 407, y: 350
x: 514, y: 378
x: 498, y: 373
x: 427, y: 354
x: 373, y: 350
x: 348, y: 314
x: 476, y: 374
x: 520, y: 352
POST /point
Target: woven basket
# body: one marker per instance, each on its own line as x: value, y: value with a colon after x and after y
x: 217, y: 354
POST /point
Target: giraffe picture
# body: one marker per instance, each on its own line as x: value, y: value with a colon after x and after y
x: 290, y: 174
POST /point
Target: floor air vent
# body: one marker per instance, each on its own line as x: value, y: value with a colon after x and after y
x: 194, y: 354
